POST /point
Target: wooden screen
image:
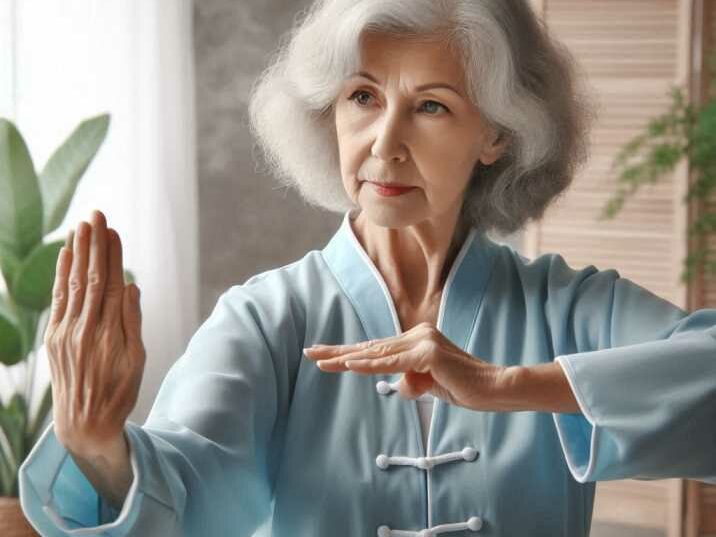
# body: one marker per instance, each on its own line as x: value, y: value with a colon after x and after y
x: 632, y: 52
x: 629, y: 51
x: 700, y: 515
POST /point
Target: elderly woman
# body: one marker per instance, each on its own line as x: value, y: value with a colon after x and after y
x: 456, y: 388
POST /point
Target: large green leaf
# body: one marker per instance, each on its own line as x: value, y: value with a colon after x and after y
x: 59, y: 178
x: 20, y: 200
x: 128, y: 277
x: 27, y: 320
x: 6, y: 474
x: 9, y: 264
x: 38, y: 423
x: 11, y: 346
x: 33, y: 282
x: 13, y: 420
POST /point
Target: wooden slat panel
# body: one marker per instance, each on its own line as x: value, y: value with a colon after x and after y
x: 633, y: 502
x: 632, y: 52
x: 629, y: 55
x: 618, y: 38
x: 707, y: 522
x: 706, y: 496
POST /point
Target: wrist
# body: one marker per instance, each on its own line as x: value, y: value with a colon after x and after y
x: 108, y: 468
x: 510, y: 388
x: 111, y: 448
x: 538, y: 388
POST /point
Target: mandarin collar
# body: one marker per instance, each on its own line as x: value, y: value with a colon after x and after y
x: 366, y: 288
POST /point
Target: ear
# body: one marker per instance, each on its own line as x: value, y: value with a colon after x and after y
x: 494, y: 150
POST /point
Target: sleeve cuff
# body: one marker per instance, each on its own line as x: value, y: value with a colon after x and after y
x: 577, y: 432
x: 59, y: 500
x: 632, y: 398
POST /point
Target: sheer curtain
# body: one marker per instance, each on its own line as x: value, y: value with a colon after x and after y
x: 66, y: 60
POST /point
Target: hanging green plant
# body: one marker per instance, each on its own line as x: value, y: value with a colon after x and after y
x: 684, y: 131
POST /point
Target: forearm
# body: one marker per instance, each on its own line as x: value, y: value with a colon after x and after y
x: 108, y: 469
x: 540, y: 388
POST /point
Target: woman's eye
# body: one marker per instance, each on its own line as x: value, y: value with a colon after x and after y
x: 431, y: 111
x: 438, y: 105
x: 357, y: 94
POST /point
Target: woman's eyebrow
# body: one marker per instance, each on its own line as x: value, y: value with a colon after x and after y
x: 422, y: 87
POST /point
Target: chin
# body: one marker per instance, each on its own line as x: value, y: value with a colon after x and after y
x: 389, y: 217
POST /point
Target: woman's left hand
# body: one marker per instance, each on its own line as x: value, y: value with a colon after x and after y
x: 429, y: 361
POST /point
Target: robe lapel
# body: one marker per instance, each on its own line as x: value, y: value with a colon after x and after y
x: 366, y: 289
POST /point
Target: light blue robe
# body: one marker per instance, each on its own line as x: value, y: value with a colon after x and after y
x: 248, y: 434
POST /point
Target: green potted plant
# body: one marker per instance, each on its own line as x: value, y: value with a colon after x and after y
x: 684, y: 131
x: 31, y: 206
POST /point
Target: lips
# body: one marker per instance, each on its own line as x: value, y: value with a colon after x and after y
x: 388, y: 189
x: 389, y: 185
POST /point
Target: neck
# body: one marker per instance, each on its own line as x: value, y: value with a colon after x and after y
x: 414, y: 260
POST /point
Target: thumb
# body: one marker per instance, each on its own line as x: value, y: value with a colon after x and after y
x: 132, y: 314
x: 414, y: 384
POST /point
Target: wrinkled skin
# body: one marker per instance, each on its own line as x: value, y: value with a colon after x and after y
x: 93, y: 339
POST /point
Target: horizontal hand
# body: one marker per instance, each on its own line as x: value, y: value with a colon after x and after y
x: 429, y: 361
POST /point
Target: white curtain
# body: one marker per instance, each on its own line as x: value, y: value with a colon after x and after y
x: 66, y: 60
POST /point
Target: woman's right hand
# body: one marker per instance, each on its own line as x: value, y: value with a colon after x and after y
x: 93, y: 340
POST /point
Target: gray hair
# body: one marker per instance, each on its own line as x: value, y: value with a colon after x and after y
x: 524, y: 82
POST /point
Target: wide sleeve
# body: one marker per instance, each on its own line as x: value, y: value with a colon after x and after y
x: 643, y: 372
x: 205, y: 460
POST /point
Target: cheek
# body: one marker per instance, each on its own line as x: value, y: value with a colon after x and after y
x: 446, y: 170
x: 352, y: 151
x: 348, y: 155
x: 451, y: 155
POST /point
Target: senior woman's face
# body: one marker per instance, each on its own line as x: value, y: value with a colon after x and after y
x: 391, y: 130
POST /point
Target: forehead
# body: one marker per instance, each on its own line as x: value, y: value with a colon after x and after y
x: 430, y: 55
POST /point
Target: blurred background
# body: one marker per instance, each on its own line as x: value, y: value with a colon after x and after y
x: 178, y: 174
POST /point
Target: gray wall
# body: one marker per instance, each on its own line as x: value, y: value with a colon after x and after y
x: 247, y: 224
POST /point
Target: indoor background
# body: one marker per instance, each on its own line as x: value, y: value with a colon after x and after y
x: 179, y: 176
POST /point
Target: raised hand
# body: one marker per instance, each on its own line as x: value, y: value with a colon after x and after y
x: 93, y: 340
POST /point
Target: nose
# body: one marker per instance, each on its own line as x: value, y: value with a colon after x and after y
x: 388, y: 144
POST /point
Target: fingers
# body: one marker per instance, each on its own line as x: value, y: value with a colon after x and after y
x: 395, y: 363
x: 114, y: 290
x: 338, y: 363
x: 371, y: 347
x: 97, y: 270
x: 69, y: 241
x: 78, y: 272
x: 59, y: 288
x: 132, y: 318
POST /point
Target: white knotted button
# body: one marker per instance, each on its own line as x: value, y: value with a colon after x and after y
x: 385, y: 388
x: 474, y: 523
x: 384, y: 531
x: 468, y: 453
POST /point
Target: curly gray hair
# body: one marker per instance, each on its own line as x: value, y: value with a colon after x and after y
x: 524, y: 82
